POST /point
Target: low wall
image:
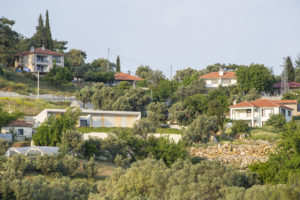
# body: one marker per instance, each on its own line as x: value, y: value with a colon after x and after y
x: 240, y: 155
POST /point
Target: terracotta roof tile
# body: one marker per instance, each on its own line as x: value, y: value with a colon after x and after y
x: 39, y: 51
x: 259, y: 103
x: 19, y: 123
x: 217, y: 75
x: 291, y: 85
x: 286, y: 101
x: 126, y: 77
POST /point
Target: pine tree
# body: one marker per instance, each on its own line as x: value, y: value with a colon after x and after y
x: 39, y: 39
x: 118, y: 64
x: 49, y: 42
x: 290, y: 69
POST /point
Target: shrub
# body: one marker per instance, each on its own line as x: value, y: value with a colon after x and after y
x: 277, y: 121
x: 4, y: 145
x: 239, y: 126
x: 201, y: 128
x: 90, y: 168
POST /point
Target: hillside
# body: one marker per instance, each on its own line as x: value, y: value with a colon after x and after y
x: 26, y: 83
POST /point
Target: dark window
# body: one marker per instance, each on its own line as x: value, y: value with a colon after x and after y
x: 283, y: 111
x: 83, y: 123
x: 290, y: 113
x: 21, y: 131
x: 248, y: 112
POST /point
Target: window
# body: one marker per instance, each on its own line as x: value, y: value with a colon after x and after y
x: 42, y: 59
x: 21, y: 131
x: 56, y: 59
x: 40, y: 68
x: 290, y: 114
x: 226, y: 81
x: 262, y: 112
x: 214, y: 81
x: 283, y: 111
x: 248, y: 112
x: 83, y: 123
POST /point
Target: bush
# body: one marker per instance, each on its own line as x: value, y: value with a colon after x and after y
x: 4, y: 145
x: 90, y: 168
x: 277, y: 121
x: 239, y: 126
x: 201, y: 128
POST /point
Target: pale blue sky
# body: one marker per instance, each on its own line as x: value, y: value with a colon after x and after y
x: 160, y: 33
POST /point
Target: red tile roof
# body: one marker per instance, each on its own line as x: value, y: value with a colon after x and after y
x: 291, y: 85
x: 39, y: 51
x: 19, y: 123
x: 126, y: 77
x: 217, y: 75
x: 286, y: 101
x: 260, y: 103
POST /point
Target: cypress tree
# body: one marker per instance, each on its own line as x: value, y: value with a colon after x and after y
x: 49, y: 42
x: 38, y: 40
x: 290, y: 69
x: 118, y: 64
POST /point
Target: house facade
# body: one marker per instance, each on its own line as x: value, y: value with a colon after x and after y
x: 95, y: 118
x: 257, y: 112
x: 19, y: 128
x: 38, y: 60
x: 214, y: 79
x: 292, y: 86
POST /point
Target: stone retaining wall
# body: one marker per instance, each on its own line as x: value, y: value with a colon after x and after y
x: 240, y: 155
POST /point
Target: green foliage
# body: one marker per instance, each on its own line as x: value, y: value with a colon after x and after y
x: 49, y: 42
x: 150, y: 179
x: 153, y: 77
x: 200, y: 129
x: 277, y: 121
x: 186, y: 76
x: 49, y: 133
x: 255, y: 76
x: 58, y: 75
x: 4, y: 145
x: 75, y: 57
x: 84, y: 95
x: 180, y: 115
x: 157, y: 113
x: 239, y: 126
x: 91, y: 168
x: 195, y: 87
x: 8, y: 40
x: 39, y: 38
x: 143, y: 126
x: 285, y: 162
x: 164, y: 90
x: 72, y: 143
x: 288, y: 96
x: 103, y: 64
x: 118, y: 65
x: 6, y: 118
x: 99, y: 76
x: 290, y: 69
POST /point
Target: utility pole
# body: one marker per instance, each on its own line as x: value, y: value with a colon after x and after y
x: 108, y: 59
x: 38, y: 85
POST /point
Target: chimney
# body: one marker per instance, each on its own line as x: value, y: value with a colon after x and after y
x: 31, y: 49
x: 221, y: 72
x: 43, y: 48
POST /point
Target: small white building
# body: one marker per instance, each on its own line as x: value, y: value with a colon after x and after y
x: 31, y: 151
x: 214, y: 79
x: 21, y: 129
x: 257, y: 112
x: 95, y: 118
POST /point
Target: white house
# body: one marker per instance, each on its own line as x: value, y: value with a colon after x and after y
x: 257, y: 112
x: 20, y: 128
x: 95, y: 118
x: 214, y: 79
x: 38, y: 60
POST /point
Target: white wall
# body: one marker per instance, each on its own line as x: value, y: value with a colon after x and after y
x: 27, y: 131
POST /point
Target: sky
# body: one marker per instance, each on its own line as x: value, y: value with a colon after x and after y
x: 165, y: 33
